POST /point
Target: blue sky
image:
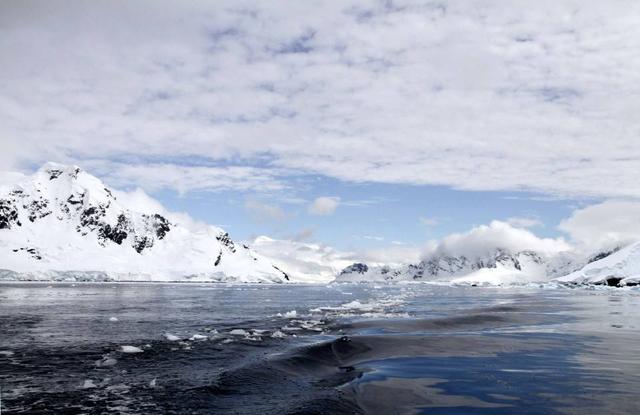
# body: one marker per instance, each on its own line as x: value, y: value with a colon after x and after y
x: 372, y: 215
x: 341, y: 121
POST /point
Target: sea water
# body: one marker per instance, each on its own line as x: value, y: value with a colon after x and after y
x: 340, y: 348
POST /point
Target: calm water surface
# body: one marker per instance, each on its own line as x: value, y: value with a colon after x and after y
x: 274, y: 349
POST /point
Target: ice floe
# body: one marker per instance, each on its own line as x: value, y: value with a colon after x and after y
x: 171, y: 337
x: 130, y: 349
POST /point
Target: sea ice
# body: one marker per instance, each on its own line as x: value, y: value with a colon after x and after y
x: 171, y: 337
x: 198, y: 337
x: 130, y: 349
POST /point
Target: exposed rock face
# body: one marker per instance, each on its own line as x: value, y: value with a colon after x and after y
x: 357, y: 268
x: 8, y: 214
x: 226, y: 241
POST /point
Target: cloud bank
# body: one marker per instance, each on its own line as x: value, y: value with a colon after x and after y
x: 474, y: 95
x: 483, y: 240
x: 605, y: 225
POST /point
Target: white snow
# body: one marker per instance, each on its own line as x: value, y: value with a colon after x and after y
x: 59, y: 234
x: 130, y: 349
x: 623, y: 265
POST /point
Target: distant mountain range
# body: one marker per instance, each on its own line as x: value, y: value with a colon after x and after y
x: 61, y: 223
x: 611, y: 267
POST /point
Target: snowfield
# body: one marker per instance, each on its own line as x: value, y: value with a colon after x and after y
x: 63, y: 224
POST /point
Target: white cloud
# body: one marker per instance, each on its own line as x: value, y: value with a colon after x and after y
x: 264, y: 212
x: 604, y: 225
x: 324, y: 206
x: 305, y: 261
x: 390, y: 255
x: 503, y: 97
x: 189, y: 178
x: 318, y: 262
x: 524, y: 222
x: 485, y: 239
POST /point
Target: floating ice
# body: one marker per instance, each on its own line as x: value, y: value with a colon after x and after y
x: 198, y: 337
x: 291, y: 314
x: 171, y: 337
x: 7, y: 353
x: 238, y: 332
x: 130, y: 349
x: 113, y: 318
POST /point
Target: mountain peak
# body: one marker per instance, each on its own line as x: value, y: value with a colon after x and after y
x: 55, y: 170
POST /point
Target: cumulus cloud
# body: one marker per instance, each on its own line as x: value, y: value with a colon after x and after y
x: 503, y: 97
x: 605, y: 225
x: 323, y: 206
x: 485, y: 239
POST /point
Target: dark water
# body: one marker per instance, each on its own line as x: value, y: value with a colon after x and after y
x: 346, y: 349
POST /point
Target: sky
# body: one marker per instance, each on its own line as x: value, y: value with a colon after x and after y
x: 363, y: 125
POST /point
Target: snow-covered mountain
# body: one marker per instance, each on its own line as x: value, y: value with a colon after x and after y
x: 495, y: 267
x: 620, y: 267
x: 62, y: 223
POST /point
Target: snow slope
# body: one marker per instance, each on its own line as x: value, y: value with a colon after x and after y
x: 62, y: 223
x: 618, y: 268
